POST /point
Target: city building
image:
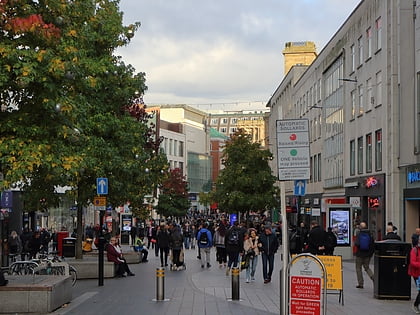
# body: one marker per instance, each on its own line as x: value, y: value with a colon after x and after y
x: 360, y: 96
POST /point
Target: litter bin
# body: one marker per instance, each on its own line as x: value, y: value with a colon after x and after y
x: 391, y: 280
x: 125, y: 238
x: 69, y: 247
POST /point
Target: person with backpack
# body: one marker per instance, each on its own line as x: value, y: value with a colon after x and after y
x: 234, y: 243
x: 414, y: 271
x: 205, y: 242
x: 331, y: 242
x: 365, y: 249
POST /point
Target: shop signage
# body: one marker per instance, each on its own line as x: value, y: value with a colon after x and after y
x: 371, y: 182
x: 413, y: 177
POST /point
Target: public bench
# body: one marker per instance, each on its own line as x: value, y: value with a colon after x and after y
x: 34, y: 293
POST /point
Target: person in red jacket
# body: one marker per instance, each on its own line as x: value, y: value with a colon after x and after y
x: 114, y: 254
x: 414, y: 271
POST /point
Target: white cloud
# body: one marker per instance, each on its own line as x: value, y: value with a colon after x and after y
x: 222, y: 51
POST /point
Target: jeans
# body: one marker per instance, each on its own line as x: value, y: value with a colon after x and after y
x: 233, y: 259
x: 270, y: 260
x: 250, y: 271
x: 187, y: 240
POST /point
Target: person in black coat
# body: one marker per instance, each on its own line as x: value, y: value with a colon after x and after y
x: 163, y: 244
x: 316, y: 239
x: 268, y: 245
x: 391, y: 234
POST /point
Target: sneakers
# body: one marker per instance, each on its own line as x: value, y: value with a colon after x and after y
x: 208, y: 265
x: 416, y: 309
x: 131, y: 274
x: 202, y: 266
x: 359, y: 286
x: 227, y: 271
x: 247, y: 280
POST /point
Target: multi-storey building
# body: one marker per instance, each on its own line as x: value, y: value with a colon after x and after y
x: 253, y: 122
x: 360, y: 96
x: 192, y: 139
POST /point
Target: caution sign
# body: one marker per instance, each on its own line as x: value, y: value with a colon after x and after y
x: 307, y: 278
x: 305, y: 293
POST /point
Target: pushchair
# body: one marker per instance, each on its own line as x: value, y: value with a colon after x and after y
x: 180, y: 265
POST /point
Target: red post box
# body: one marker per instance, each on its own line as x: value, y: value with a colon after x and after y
x: 60, y: 236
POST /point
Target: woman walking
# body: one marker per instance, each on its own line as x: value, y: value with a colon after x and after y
x: 251, y: 253
x: 219, y: 242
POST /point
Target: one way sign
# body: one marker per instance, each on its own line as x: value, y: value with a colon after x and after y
x: 102, y: 186
x: 300, y: 187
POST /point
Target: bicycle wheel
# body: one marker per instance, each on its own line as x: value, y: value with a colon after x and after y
x: 22, y: 268
x: 73, y: 274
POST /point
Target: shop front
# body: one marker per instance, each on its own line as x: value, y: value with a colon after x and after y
x: 367, y: 197
x: 411, y: 193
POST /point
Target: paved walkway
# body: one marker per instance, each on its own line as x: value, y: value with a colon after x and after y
x: 208, y: 290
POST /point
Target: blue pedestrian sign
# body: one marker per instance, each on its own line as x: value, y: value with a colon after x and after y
x: 300, y: 187
x: 102, y: 186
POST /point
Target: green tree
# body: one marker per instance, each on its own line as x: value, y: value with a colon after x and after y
x: 246, y: 183
x: 173, y: 198
x: 71, y: 111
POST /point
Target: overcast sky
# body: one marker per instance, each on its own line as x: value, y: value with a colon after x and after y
x: 227, y: 53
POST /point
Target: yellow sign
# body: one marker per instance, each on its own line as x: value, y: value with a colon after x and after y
x: 99, y: 201
x: 333, y: 265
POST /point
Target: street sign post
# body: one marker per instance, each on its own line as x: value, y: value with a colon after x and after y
x: 293, y: 155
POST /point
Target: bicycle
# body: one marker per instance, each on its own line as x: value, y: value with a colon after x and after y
x: 54, y: 265
x: 24, y: 267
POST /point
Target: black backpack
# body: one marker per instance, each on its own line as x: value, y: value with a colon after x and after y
x: 233, y: 237
x: 203, y: 238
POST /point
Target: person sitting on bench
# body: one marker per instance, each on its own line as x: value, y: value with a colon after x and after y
x: 114, y: 254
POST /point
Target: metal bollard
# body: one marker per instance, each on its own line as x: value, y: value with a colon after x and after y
x: 160, y: 284
x: 235, y: 284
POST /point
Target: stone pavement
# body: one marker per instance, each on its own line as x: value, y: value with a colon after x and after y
x: 199, y: 290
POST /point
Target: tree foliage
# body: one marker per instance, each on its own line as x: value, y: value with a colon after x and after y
x: 71, y: 111
x: 173, y: 198
x: 246, y: 183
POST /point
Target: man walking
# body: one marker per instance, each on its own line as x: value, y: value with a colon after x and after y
x: 268, y: 245
x: 365, y: 249
x: 205, y: 242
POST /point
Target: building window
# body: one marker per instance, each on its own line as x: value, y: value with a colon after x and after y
x: 223, y: 129
x: 233, y: 130
x: 378, y: 33
x: 353, y: 104
x: 361, y: 104
x: 214, y: 121
x: 353, y: 58
x: 224, y: 121
x: 370, y: 100
x: 369, y: 153
x: 360, y: 155
x: 378, y: 99
x: 352, y: 158
x: 378, y: 150
x: 319, y: 167
x: 233, y: 120
x: 315, y: 165
x: 369, y: 42
x: 181, y: 148
x: 360, y: 46
x: 171, y: 147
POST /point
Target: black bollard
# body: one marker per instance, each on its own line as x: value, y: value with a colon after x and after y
x: 235, y: 284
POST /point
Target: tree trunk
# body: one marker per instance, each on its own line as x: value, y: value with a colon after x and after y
x: 79, y: 229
